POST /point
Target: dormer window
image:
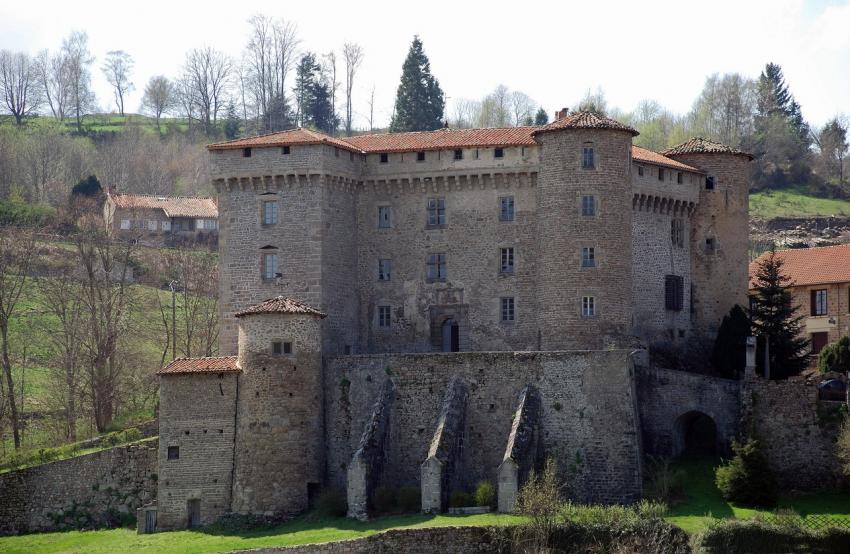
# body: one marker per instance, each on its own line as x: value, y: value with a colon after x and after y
x: 385, y: 158
x: 587, y: 156
x: 246, y: 152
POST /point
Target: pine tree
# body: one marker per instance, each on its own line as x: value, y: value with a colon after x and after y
x: 320, y: 111
x: 278, y: 115
x: 313, y: 99
x: 419, y: 101
x: 541, y: 117
x: 305, y: 85
x: 231, y: 122
x: 775, y: 320
x: 730, y: 348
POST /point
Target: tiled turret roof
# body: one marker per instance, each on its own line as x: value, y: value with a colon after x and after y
x: 585, y: 120
x: 281, y: 305
x: 700, y: 145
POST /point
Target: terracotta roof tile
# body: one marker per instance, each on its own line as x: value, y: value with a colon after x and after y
x: 648, y: 156
x: 173, y: 206
x: 280, y: 305
x: 444, y: 139
x: 699, y: 145
x: 585, y: 120
x: 811, y: 266
x: 221, y: 364
x: 284, y: 138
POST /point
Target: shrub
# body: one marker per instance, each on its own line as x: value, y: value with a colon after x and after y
x: 460, y: 499
x: 729, y: 355
x: 747, y: 478
x: 835, y: 356
x: 485, y: 494
x: 384, y: 499
x: 664, y: 483
x: 332, y: 503
x: 842, y: 446
x: 760, y: 536
x: 409, y: 499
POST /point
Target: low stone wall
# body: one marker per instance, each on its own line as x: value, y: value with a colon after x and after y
x: 102, y: 489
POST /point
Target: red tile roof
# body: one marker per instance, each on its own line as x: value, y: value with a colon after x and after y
x: 221, y: 364
x: 173, y: 206
x: 811, y: 266
x: 648, y: 156
x: 444, y: 139
x: 585, y: 120
x: 281, y: 305
x: 699, y: 145
x: 284, y: 138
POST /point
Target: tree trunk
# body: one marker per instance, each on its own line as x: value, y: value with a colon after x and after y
x: 71, y: 411
x: 10, y: 386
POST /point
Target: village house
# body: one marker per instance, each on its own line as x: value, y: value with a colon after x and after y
x: 161, y: 220
x: 820, y: 280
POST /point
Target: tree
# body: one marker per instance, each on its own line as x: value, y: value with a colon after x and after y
x: 90, y: 187
x: 16, y: 251
x: 725, y: 109
x: 541, y: 117
x: 775, y: 321
x: 832, y: 145
x: 159, y: 97
x: 835, y: 356
x: 594, y: 102
x: 117, y: 68
x: 419, y: 101
x: 19, y: 84
x: 305, y: 85
x: 279, y: 115
x: 747, y: 478
x: 75, y: 49
x: 231, y: 123
x: 328, y: 77
x: 372, y: 109
x: 522, y: 108
x: 313, y: 96
x: 55, y: 79
x: 320, y: 113
x: 353, y: 54
x: 729, y: 356
x: 206, y: 74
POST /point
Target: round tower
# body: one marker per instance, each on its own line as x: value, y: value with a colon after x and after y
x: 584, y: 214
x: 279, y: 445
x: 719, y: 232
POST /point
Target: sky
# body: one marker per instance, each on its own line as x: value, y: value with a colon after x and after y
x: 552, y: 51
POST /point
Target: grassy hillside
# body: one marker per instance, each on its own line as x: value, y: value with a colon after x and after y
x: 107, y: 123
x: 795, y: 203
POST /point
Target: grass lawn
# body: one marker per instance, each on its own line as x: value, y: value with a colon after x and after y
x: 794, y: 203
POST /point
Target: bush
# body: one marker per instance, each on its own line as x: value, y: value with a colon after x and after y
x: 485, y: 494
x: 759, y: 536
x: 842, y: 446
x: 460, y: 499
x: 835, y: 356
x: 409, y: 499
x: 332, y: 503
x: 747, y: 478
x: 121, y: 437
x: 19, y: 213
x: 384, y: 500
x: 664, y: 483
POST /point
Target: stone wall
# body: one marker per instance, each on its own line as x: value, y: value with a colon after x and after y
x: 588, y: 419
x: 95, y: 490
x: 668, y: 398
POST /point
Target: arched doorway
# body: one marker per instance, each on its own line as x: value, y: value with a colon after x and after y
x: 450, y: 335
x: 695, y: 435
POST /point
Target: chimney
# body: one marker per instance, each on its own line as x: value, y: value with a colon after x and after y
x: 562, y: 113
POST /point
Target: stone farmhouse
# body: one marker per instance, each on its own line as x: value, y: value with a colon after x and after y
x: 820, y: 280
x: 161, y: 220
x: 433, y: 309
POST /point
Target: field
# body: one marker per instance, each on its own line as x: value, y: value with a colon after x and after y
x: 794, y: 203
x: 104, y: 124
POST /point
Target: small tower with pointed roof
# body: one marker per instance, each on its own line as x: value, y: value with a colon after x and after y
x: 279, y: 447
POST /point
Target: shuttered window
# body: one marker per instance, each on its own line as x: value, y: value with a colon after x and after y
x: 674, y: 292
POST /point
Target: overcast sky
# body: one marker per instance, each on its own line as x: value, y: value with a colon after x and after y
x: 554, y: 52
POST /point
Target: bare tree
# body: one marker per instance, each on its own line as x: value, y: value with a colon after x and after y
x: 185, y: 96
x: 75, y: 49
x: 522, y: 108
x: 158, y: 97
x: 285, y: 54
x: 207, y: 72
x: 16, y: 254
x: 19, y: 84
x: 372, y: 109
x: 593, y: 101
x: 54, y: 75
x: 353, y: 54
x: 495, y: 108
x: 329, y: 77
x: 117, y: 68
x: 467, y: 113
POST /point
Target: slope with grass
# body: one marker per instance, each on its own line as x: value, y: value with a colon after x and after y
x: 795, y: 203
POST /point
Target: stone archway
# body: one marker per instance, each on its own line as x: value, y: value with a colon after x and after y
x: 695, y: 434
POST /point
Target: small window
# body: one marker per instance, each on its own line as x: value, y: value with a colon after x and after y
x: 660, y: 173
x: 351, y: 156
x: 588, y: 257
x: 709, y: 182
x: 384, y: 270
x: 588, y: 306
x: 383, y: 217
x: 475, y: 154
x: 436, y: 211
x: 336, y: 152
x: 677, y: 232
x: 587, y: 159
x: 246, y: 152
x: 674, y: 292
x: 270, y: 212
x: 277, y: 348
x: 385, y: 158
x: 384, y: 315
x: 507, y: 260
x: 287, y: 348
x: 499, y: 153
x: 588, y: 206
x: 710, y: 246
x: 125, y: 224
x: 818, y: 301
x: 173, y: 452
x: 437, y: 267
x: 420, y: 156
x: 285, y: 150
x: 269, y: 266
x: 508, y: 313
x: 458, y: 154
x: 679, y: 177
x: 640, y: 171
x: 506, y: 208
x: 166, y: 225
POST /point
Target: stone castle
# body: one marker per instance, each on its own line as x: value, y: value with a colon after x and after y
x: 433, y: 309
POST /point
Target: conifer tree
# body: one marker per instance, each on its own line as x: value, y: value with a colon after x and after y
x: 419, y: 101
x: 231, y: 122
x: 305, y: 84
x: 313, y: 97
x: 730, y: 348
x: 775, y: 320
x: 541, y: 117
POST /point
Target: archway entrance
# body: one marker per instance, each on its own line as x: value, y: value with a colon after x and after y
x: 696, y: 435
x: 450, y: 336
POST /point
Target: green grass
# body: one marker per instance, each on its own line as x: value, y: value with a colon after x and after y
x: 794, y: 203
x: 302, y: 530
x: 105, y: 123
x: 704, y: 501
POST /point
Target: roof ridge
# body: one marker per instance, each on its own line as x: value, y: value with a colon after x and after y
x: 445, y: 129
x: 162, y: 196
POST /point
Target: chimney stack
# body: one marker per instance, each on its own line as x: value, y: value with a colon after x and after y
x: 561, y: 114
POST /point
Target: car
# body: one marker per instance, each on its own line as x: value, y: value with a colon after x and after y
x: 832, y: 389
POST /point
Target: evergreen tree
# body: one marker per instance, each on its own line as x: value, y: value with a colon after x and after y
x: 231, y: 122
x: 320, y: 111
x: 313, y: 99
x: 730, y: 348
x: 774, y: 320
x: 278, y: 114
x: 90, y: 187
x: 541, y: 117
x: 419, y: 101
x: 305, y: 85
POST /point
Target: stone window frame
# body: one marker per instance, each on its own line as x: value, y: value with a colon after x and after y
x: 507, y: 260
x: 269, y: 219
x: 507, y: 309
x: 173, y: 452
x: 680, y: 178
x: 710, y: 182
x: 588, y: 156
x: 498, y: 153
x: 436, y: 210
x: 677, y: 231
x: 281, y: 347
x: 589, y: 259
x: 458, y: 154
x: 384, y: 316
x: 436, y: 269
x: 385, y: 223
x: 661, y: 174
x: 582, y: 206
x: 588, y: 306
x: 507, y: 208
x: 385, y: 269
x: 246, y: 152
x: 640, y: 170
